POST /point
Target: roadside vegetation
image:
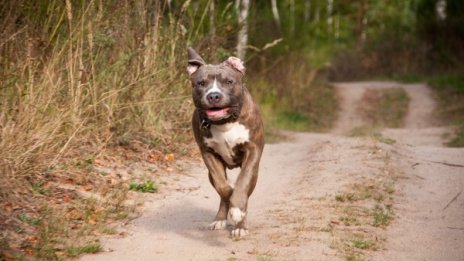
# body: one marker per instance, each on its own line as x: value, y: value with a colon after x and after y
x: 85, y: 85
x: 364, y: 208
x: 450, y: 92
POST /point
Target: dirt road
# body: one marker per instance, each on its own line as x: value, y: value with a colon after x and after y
x: 315, y: 197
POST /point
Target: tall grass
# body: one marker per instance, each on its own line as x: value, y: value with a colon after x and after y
x: 72, y: 71
x: 78, y: 75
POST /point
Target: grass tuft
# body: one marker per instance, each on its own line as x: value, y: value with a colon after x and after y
x: 362, y: 244
x: 147, y: 186
x: 367, y: 131
x: 384, y: 108
x: 382, y: 215
x: 91, y: 248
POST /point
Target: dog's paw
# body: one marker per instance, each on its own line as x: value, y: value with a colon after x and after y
x: 218, y: 225
x: 239, y: 232
x: 236, y: 215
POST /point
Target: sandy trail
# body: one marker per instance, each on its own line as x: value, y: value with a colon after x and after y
x: 292, y: 207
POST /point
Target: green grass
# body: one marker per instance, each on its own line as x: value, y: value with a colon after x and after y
x: 295, y: 98
x: 85, y: 249
x: 147, y: 186
x: 353, y: 257
x: 109, y: 230
x: 382, y: 215
x: 340, y: 198
x: 362, y: 244
x: 450, y: 92
x: 37, y: 188
x: 23, y: 217
x: 368, y: 131
x: 453, y: 82
x: 292, y: 120
x: 458, y: 140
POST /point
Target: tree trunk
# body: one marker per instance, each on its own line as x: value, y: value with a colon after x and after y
x: 361, y: 22
x: 307, y: 10
x: 212, y: 22
x: 275, y: 13
x: 242, y: 41
x: 329, y: 16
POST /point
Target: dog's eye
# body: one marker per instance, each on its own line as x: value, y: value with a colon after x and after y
x: 228, y: 81
x: 201, y: 83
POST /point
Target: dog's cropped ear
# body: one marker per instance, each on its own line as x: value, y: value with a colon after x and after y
x: 194, y: 61
x: 236, y: 63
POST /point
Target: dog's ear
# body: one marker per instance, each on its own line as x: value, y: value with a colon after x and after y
x: 194, y: 61
x: 236, y: 63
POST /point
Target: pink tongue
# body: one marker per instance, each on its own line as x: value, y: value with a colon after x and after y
x: 216, y: 113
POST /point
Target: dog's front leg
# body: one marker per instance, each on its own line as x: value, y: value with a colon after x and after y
x: 244, y: 186
x: 217, y: 177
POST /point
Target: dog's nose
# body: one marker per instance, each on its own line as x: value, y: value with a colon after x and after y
x: 214, y: 97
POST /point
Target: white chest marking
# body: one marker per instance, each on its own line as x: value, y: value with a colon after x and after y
x: 225, y: 138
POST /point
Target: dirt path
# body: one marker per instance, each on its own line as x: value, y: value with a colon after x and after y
x: 297, y: 213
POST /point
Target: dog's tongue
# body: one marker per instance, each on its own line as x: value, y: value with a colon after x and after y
x: 216, y: 114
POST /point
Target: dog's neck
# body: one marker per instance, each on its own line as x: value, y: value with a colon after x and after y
x: 205, y: 123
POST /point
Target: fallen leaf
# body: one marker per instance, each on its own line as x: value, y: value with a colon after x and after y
x: 169, y: 157
x: 66, y: 198
x: 74, y: 215
x: 32, y: 239
x: 88, y: 187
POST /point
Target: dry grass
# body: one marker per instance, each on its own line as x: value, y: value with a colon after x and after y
x: 83, y: 80
x: 75, y: 79
x: 364, y: 210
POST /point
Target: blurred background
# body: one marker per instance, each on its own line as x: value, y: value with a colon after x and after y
x: 77, y: 77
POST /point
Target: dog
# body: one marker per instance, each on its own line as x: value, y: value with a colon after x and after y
x: 228, y: 129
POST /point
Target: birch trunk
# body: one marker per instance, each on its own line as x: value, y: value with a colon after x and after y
x: 329, y: 16
x: 275, y: 13
x: 242, y: 39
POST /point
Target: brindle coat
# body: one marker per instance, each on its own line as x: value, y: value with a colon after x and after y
x: 244, y: 111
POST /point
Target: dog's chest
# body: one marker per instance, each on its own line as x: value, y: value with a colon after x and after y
x: 224, y: 139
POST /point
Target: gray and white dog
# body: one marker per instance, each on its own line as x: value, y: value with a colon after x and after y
x: 228, y: 129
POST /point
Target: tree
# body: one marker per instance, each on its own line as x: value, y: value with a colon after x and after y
x: 242, y: 7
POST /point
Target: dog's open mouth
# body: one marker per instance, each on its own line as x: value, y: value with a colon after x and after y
x: 217, y: 113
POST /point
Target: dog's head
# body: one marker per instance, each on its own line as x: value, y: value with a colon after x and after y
x: 217, y: 90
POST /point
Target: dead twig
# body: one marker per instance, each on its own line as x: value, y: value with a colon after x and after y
x: 452, y: 200
x: 447, y: 164
x: 323, y: 160
x: 458, y: 228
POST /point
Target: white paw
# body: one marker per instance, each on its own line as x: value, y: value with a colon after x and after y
x: 239, y: 232
x: 218, y: 225
x: 236, y: 215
